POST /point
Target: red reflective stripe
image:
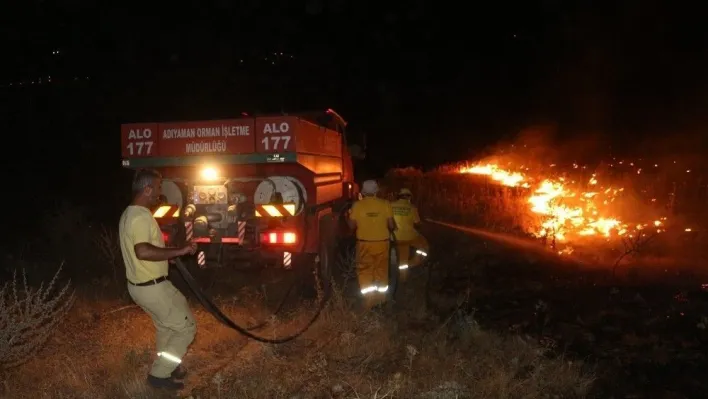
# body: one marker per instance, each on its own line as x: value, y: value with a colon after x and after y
x: 189, y: 230
x: 226, y: 240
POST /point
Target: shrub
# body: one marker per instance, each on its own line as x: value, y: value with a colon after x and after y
x: 28, y: 317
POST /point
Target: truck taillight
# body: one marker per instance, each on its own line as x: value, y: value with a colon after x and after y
x: 166, y: 237
x: 279, y: 237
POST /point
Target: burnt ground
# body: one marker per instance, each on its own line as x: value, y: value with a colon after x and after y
x: 644, y: 331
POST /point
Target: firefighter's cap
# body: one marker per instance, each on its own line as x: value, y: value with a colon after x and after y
x: 370, y: 187
x: 405, y: 191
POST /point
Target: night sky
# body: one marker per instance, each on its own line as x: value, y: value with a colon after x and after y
x: 428, y: 82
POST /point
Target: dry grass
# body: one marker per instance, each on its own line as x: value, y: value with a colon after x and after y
x: 104, y: 347
x: 98, y: 354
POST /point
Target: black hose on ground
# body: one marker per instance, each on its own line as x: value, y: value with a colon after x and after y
x: 212, y: 308
x: 221, y: 317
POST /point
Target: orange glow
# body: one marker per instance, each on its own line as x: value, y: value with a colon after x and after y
x: 564, y: 209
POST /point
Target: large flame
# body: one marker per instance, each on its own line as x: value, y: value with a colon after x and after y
x: 565, y: 209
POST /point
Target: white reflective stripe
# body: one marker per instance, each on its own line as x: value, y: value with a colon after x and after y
x: 418, y: 251
x: 373, y: 288
x: 368, y: 289
x: 201, y: 258
x: 287, y: 259
x: 170, y: 357
x: 403, y: 267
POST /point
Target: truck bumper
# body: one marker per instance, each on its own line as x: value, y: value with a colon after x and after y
x: 224, y: 255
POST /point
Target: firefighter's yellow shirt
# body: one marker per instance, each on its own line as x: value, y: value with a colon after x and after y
x: 371, y: 215
x: 406, y: 216
x: 137, y: 226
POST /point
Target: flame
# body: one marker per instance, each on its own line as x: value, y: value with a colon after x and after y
x: 511, y: 179
x: 564, y: 209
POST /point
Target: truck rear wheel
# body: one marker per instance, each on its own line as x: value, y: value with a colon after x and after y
x: 327, y: 253
x: 316, y: 269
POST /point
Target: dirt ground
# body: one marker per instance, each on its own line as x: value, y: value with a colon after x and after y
x: 482, y: 320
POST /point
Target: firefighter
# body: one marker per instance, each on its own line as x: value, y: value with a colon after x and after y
x: 408, y: 238
x: 146, y: 269
x: 372, y: 218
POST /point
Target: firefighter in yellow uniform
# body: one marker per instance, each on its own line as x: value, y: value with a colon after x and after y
x: 408, y: 239
x: 146, y: 269
x: 372, y: 218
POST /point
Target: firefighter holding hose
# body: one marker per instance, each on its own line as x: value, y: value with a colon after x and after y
x: 146, y: 269
x: 372, y: 218
x: 408, y: 238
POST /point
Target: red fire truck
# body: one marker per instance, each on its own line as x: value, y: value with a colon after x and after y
x: 264, y: 190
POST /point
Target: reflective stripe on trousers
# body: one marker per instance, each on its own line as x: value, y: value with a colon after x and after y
x: 173, y: 320
x: 372, y: 270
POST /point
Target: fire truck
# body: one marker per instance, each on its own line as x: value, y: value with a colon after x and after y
x: 266, y: 190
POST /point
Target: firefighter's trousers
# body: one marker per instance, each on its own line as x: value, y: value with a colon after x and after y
x: 173, y: 321
x: 372, y: 270
x: 411, y: 254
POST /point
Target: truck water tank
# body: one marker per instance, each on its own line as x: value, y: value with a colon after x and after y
x: 290, y: 188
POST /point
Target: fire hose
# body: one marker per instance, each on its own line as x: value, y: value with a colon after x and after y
x: 212, y: 308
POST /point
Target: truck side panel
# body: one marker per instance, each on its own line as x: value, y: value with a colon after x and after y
x: 317, y: 140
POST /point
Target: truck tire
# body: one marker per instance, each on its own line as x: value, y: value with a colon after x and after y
x: 316, y: 269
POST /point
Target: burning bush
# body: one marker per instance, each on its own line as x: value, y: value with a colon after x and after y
x: 28, y: 317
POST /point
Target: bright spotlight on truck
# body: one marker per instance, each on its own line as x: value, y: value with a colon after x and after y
x: 209, y: 173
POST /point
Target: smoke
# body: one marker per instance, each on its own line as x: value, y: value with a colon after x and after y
x: 538, y: 146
